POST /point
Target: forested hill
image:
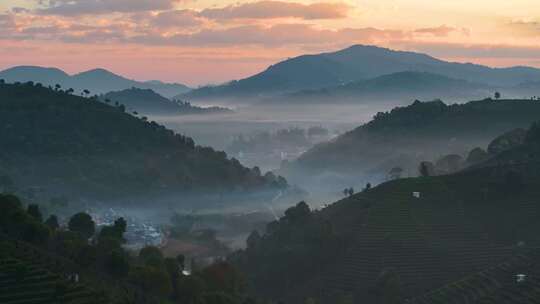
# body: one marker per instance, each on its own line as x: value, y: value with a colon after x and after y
x: 54, y: 140
x: 146, y: 101
x: 422, y: 130
x: 409, y: 238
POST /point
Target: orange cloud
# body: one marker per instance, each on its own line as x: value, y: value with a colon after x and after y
x: 527, y: 28
x: 442, y: 31
x: 95, y: 7
x: 276, y: 35
x: 278, y: 9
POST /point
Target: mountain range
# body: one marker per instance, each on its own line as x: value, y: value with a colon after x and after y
x: 97, y: 81
x: 355, y: 64
x: 408, y: 85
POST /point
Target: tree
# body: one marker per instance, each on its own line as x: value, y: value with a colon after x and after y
x: 117, y: 263
x: 52, y: 222
x: 497, y: 95
x: 120, y: 225
x: 351, y: 191
x: 33, y: 211
x: 115, y: 232
x: 152, y: 280
x: 222, y: 276
x: 368, y: 187
x: 533, y: 134
x: 425, y: 169
x: 83, y: 224
x: 298, y: 212
x: 477, y: 155
x: 181, y: 259
x: 151, y: 256
x: 173, y: 269
x: 388, y: 287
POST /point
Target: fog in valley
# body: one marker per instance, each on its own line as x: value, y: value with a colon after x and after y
x: 358, y: 175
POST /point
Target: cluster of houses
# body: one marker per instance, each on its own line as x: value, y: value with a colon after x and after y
x: 139, y: 232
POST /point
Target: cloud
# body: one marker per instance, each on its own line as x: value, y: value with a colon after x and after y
x: 527, y: 28
x: 442, y: 31
x: 278, y: 9
x: 94, y: 7
x: 274, y: 36
x: 479, y: 50
x: 7, y: 25
x: 7, y: 21
x: 176, y: 18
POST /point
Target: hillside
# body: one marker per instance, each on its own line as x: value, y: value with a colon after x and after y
x: 405, y: 136
x: 455, y: 240
x: 54, y: 141
x: 46, y: 262
x: 97, y: 81
x: 146, y: 101
x: 353, y: 64
x: 398, y: 86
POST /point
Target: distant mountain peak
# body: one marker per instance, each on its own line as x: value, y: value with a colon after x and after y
x: 353, y: 64
x: 98, y: 80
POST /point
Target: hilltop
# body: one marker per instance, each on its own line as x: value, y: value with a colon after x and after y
x: 407, y: 85
x: 353, y: 64
x: 55, y: 141
x: 405, y: 136
x: 97, y: 81
x: 146, y: 101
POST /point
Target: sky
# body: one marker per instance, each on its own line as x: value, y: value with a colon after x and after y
x: 198, y: 42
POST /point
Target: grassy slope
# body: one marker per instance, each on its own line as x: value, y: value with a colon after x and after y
x: 462, y: 223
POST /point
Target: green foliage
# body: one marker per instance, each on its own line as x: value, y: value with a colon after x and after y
x: 507, y: 141
x: 17, y: 222
x: 117, y: 263
x: 223, y: 277
x: 52, y: 222
x: 33, y: 210
x: 153, y: 280
x: 115, y: 232
x: 388, y: 287
x: 83, y: 224
x: 533, y: 134
x: 297, y: 213
x: 477, y: 155
x: 151, y: 256
x: 426, y: 169
x: 296, y: 245
x: 105, y: 264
